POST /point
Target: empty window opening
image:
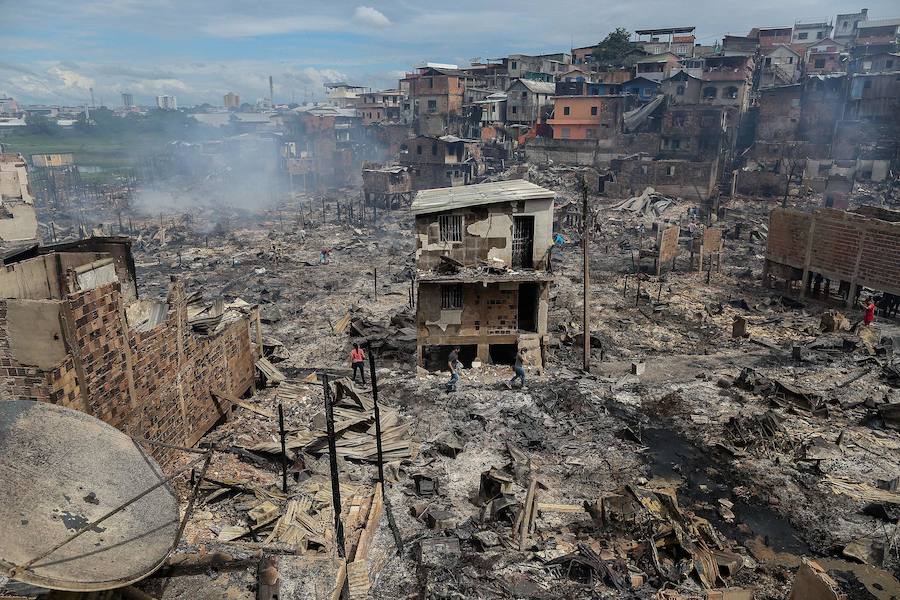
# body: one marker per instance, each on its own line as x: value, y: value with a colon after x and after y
x: 434, y: 358
x: 450, y: 227
x: 670, y: 171
x: 529, y: 294
x: 566, y: 110
x: 593, y: 111
x: 502, y: 354
x: 523, y: 242
x: 451, y: 296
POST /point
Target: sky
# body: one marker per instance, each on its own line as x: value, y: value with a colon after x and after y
x: 55, y: 51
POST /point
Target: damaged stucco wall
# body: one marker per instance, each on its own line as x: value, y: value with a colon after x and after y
x: 52, y: 276
x: 487, y: 234
x: 489, y: 315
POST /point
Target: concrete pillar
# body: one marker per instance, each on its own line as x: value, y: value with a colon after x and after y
x: 484, y: 353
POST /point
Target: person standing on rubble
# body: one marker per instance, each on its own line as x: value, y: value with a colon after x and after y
x: 454, y: 365
x: 358, y: 361
x: 869, y: 316
x: 324, y: 256
x: 518, y: 369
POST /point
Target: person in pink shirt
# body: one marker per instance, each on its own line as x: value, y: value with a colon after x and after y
x: 869, y: 316
x: 357, y: 361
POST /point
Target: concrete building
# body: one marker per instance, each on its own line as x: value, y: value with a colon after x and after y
x: 781, y: 65
x: 873, y: 37
x: 825, y: 56
x: 586, y: 117
x: 676, y: 40
x: 8, y: 106
x: 528, y: 100
x: 127, y: 100
x: 166, y: 102
x: 692, y: 132
x: 489, y: 314
x: 18, y: 220
x: 437, y: 162
x: 658, y: 66
x: 845, y: 25
x: 682, y: 88
x: 540, y: 67
x: 727, y: 81
x: 231, y: 100
x: 436, y: 98
x: 344, y: 95
x: 805, y: 33
x: 77, y: 335
x: 772, y: 36
x: 377, y: 107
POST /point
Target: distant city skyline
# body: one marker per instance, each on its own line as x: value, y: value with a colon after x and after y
x: 55, y: 51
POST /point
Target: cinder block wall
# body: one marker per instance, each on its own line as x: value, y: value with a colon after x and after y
x: 157, y: 384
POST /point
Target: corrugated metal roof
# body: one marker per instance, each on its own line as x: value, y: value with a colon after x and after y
x: 441, y: 199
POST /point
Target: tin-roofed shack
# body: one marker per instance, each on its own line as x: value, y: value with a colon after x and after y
x: 482, y: 252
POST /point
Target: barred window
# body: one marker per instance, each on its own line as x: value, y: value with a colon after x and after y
x: 451, y: 228
x: 451, y: 296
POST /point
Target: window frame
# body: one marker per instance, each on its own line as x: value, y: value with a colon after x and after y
x: 450, y: 228
x: 451, y: 296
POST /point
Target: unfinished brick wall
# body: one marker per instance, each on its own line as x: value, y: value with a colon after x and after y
x: 157, y: 384
x: 840, y: 245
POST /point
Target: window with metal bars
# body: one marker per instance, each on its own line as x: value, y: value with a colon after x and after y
x: 451, y: 296
x: 451, y: 228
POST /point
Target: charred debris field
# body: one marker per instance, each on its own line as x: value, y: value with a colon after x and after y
x: 729, y: 441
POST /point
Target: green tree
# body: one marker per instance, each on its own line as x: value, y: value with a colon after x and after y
x: 613, y: 47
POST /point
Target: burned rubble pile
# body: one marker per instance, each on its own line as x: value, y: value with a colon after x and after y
x: 729, y: 441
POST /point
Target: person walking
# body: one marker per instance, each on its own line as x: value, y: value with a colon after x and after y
x: 455, y: 366
x: 358, y: 361
x: 519, y: 369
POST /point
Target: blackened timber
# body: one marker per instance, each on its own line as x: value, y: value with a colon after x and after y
x: 332, y: 459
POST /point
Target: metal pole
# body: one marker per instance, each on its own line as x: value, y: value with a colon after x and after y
x: 585, y: 242
x: 398, y: 539
x: 332, y: 459
x: 375, y: 284
x: 374, y: 379
x: 284, y: 460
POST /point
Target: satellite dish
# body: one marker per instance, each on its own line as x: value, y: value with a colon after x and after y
x: 62, y: 469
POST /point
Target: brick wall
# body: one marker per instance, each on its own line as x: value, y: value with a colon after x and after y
x: 842, y: 245
x: 156, y: 384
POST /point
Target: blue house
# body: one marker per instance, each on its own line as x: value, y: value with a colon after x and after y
x: 640, y: 87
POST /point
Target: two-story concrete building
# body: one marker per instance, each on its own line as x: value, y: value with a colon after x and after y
x: 527, y: 100
x: 482, y: 254
x: 436, y: 162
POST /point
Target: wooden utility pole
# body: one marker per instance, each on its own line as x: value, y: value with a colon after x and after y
x: 585, y: 243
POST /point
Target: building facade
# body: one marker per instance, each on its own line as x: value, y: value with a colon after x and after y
x: 488, y: 314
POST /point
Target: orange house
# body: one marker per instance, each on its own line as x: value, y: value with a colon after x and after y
x: 584, y: 117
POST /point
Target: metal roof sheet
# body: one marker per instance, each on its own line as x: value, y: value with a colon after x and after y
x: 441, y: 199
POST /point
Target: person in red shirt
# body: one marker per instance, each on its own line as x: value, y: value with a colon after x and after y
x: 869, y: 317
x: 357, y: 361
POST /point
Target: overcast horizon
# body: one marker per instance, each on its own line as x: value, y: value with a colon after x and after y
x: 55, y: 51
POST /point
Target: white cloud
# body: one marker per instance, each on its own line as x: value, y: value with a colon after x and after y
x: 72, y: 80
x: 237, y: 27
x: 368, y: 15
